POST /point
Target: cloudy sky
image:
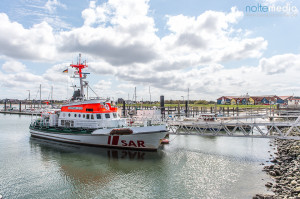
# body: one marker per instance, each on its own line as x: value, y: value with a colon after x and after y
x: 212, y: 48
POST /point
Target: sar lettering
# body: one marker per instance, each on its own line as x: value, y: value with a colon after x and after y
x: 131, y: 143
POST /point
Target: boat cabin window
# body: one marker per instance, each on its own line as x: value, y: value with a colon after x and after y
x: 75, y: 115
x: 83, y: 115
x: 92, y: 116
x: 98, y: 116
x: 89, y: 109
x: 115, y: 115
x: 79, y: 115
x: 69, y: 114
x: 107, y: 115
x: 87, y: 116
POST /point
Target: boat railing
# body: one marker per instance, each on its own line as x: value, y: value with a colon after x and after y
x: 36, y: 121
x: 146, y: 121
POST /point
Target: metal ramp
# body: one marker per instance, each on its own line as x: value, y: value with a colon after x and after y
x: 236, y: 128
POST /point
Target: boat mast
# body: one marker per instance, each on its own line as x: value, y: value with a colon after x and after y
x: 79, y: 67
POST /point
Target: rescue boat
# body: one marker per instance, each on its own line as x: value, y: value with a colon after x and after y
x: 95, y: 122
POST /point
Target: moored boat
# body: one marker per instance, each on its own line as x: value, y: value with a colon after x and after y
x: 95, y: 122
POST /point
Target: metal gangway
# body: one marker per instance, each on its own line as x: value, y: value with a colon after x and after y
x: 239, y: 128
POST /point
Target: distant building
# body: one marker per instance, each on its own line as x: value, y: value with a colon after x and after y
x: 128, y: 101
x: 284, y: 99
x: 245, y: 100
x: 294, y: 101
x: 253, y: 100
x: 224, y: 100
x: 120, y: 100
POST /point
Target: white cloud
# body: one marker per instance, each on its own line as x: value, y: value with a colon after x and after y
x: 36, y: 43
x: 55, y: 73
x: 95, y: 15
x: 51, y: 5
x: 122, y: 34
x: 102, y: 89
x: 102, y: 68
x: 126, y: 86
x: 208, y: 38
x: 204, y: 82
x: 102, y: 85
x: 121, y: 39
x: 13, y: 67
x: 23, y: 79
x: 279, y: 63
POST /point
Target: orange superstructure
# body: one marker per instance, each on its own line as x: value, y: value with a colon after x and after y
x: 90, y: 108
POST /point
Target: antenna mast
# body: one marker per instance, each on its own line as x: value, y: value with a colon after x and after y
x: 79, y: 66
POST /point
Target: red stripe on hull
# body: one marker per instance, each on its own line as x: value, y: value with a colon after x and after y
x: 115, y: 140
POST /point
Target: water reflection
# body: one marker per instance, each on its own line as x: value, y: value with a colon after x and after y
x: 93, y: 166
x: 51, y: 146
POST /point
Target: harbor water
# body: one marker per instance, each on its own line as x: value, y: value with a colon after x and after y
x: 190, y: 166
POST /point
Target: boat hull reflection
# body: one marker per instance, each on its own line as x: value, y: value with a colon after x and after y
x: 103, y: 152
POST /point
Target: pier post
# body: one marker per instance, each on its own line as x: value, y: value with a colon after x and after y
x: 124, y: 108
x: 4, y: 105
x: 186, y: 108
x: 20, y: 104
x: 162, y: 105
x: 10, y: 104
x: 215, y: 108
x: 193, y: 111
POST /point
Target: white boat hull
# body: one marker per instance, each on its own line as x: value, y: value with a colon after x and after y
x: 139, y: 141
